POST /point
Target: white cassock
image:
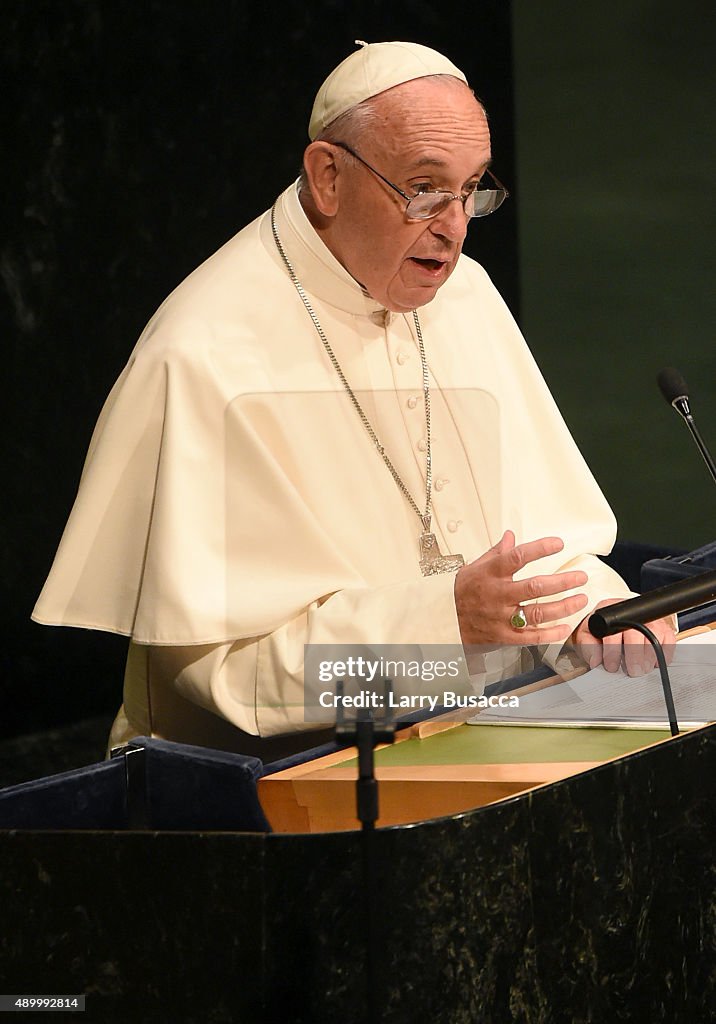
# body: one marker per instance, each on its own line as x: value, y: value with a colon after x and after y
x: 233, y: 508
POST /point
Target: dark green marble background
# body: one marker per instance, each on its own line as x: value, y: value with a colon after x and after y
x: 616, y: 167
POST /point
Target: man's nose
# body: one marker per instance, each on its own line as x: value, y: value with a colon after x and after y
x: 451, y: 223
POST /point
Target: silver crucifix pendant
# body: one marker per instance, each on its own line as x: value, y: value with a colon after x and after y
x: 431, y: 560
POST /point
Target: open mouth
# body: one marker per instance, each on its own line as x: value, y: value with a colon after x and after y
x: 428, y: 264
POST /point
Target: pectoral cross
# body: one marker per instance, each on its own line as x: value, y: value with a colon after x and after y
x: 431, y: 560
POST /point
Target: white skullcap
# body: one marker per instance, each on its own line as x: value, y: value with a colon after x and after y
x: 370, y: 71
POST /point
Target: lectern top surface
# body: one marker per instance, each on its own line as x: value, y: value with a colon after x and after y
x: 504, y: 744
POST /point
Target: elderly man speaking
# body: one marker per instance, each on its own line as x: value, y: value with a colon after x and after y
x: 333, y: 432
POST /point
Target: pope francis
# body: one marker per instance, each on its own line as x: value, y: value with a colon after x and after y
x: 333, y: 432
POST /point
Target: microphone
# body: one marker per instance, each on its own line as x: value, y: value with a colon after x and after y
x: 673, y: 387
x: 655, y: 604
x: 675, y: 597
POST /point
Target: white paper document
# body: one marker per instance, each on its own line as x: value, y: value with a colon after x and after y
x: 613, y: 698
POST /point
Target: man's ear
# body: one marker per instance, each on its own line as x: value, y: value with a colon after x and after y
x: 322, y: 172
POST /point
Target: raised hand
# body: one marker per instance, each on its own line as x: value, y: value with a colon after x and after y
x: 487, y: 596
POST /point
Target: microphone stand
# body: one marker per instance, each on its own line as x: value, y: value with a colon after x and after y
x: 681, y: 404
x: 366, y: 733
x: 663, y: 671
x: 655, y: 604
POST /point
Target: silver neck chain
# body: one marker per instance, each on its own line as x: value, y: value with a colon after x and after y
x: 423, y: 516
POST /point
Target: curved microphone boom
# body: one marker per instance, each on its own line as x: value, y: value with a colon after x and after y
x: 675, y: 597
x: 673, y: 387
x: 654, y: 604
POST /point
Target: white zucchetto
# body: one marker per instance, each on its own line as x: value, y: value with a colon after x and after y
x: 371, y: 70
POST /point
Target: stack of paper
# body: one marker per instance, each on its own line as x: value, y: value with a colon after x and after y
x: 616, y: 699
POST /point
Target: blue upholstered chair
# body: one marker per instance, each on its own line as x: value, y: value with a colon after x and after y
x: 151, y: 784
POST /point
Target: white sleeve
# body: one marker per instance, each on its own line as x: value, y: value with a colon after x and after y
x: 257, y: 684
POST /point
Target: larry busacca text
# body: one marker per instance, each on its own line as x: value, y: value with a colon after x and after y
x: 344, y: 681
x: 412, y: 701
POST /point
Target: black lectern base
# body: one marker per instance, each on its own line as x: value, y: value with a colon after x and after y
x: 589, y: 900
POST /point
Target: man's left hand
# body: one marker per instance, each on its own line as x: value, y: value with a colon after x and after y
x: 630, y: 649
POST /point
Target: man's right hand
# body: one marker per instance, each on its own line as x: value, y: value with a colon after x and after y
x: 486, y: 595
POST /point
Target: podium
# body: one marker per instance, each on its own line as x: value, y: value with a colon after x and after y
x: 592, y: 898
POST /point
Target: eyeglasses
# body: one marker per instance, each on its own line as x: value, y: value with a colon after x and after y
x: 478, y: 203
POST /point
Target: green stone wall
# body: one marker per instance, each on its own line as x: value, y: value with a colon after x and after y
x: 616, y: 163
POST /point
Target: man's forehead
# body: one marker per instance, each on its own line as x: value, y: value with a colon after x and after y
x: 428, y: 124
x: 429, y: 106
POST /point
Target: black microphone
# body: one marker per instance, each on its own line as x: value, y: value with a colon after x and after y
x: 673, y: 387
x: 655, y: 604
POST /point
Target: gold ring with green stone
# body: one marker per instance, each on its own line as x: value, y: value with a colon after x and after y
x: 519, y: 619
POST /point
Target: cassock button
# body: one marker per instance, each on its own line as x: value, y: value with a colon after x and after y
x: 412, y: 402
x: 402, y: 357
x: 454, y: 525
x: 422, y: 445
